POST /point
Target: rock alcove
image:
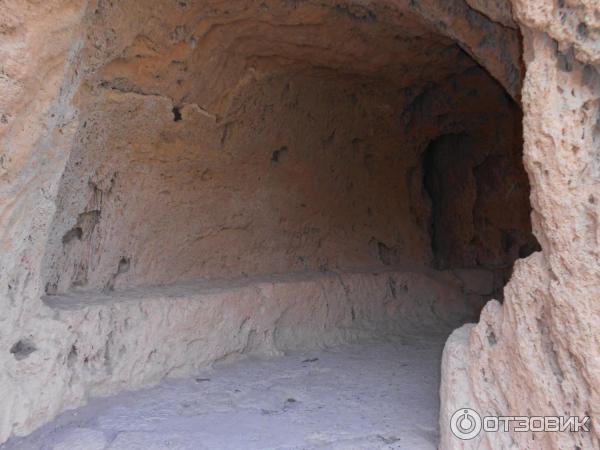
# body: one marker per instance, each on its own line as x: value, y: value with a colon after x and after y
x: 222, y: 142
x: 208, y: 179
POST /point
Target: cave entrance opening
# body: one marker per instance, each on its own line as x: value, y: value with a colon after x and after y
x: 242, y: 186
x: 309, y: 173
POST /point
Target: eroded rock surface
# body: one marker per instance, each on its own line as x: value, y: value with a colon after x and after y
x: 154, y: 143
x: 537, y: 354
x: 308, y: 174
x: 326, y: 399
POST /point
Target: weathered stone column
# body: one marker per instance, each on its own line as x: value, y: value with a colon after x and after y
x: 538, y: 353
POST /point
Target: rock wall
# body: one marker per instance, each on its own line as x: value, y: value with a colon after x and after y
x: 257, y: 139
x: 315, y: 174
x: 136, y: 337
x: 307, y: 176
x: 183, y: 79
x: 37, y: 123
x: 537, y: 353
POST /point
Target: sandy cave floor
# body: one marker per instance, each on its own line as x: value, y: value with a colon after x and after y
x: 377, y: 395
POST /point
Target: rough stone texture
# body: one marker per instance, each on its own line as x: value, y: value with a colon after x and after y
x: 346, y: 398
x: 289, y: 182
x: 497, y: 10
x: 470, y: 228
x: 82, y: 83
x: 538, y: 353
x: 573, y: 24
x: 493, y: 45
x: 137, y: 337
x: 37, y: 123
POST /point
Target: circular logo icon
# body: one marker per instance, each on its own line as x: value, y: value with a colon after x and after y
x: 465, y: 424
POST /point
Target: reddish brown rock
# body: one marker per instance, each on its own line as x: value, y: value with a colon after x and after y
x: 147, y: 148
x: 537, y: 354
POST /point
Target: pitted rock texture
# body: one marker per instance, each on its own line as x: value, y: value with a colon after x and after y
x: 158, y: 142
x: 257, y: 139
x: 537, y: 353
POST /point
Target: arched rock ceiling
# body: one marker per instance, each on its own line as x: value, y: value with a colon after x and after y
x: 203, y: 52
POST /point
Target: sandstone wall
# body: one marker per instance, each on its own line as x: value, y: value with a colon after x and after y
x: 311, y: 174
x: 185, y: 68
x: 538, y: 353
x: 308, y: 175
x: 38, y: 46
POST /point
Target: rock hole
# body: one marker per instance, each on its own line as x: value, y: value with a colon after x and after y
x: 565, y: 61
x: 176, y: 114
x: 22, y: 349
x: 73, y: 233
x: 278, y: 154
x: 123, y: 266
x: 392, y: 285
x: 72, y: 356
